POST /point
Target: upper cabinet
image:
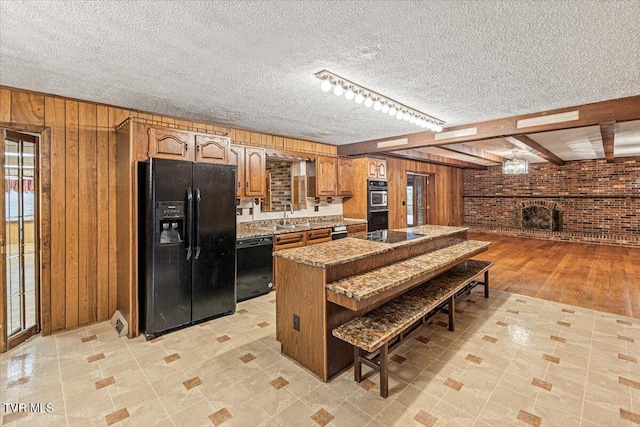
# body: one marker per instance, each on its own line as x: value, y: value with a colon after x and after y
x: 170, y: 144
x: 165, y: 143
x: 212, y: 149
x: 251, y: 170
x: 255, y: 171
x: 326, y: 176
x: 330, y: 176
x: 377, y: 168
x: 345, y: 177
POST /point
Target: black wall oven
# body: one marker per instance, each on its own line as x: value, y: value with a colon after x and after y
x: 377, y: 209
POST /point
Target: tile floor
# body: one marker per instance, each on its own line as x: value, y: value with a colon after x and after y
x: 513, y: 360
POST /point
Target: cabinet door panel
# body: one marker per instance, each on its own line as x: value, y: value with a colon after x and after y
x: 255, y: 170
x: 212, y: 149
x: 373, y: 169
x: 345, y: 177
x: 382, y: 169
x: 170, y: 144
x: 326, y: 176
x: 236, y: 157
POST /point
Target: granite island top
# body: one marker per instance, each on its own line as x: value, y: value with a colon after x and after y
x: 364, y: 286
x: 351, y: 249
x: 250, y: 231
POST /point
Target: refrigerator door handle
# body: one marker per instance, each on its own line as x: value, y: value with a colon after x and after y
x: 197, y: 224
x: 187, y: 240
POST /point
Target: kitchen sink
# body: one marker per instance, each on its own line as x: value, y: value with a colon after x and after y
x: 310, y: 224
x: 278, y: 227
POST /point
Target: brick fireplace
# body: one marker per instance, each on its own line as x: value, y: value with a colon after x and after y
x: 596, y: 201
x: 535, y: 215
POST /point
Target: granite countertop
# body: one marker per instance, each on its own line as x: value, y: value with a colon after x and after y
x: 257, y: 231
x: 376, y: 327
x: 367, y: 285
x: 350, y: 249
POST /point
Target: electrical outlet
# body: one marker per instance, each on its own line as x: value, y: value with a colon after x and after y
x: 316, y: 208
x: 239, y: 211
x: 296, y: 322
x: 250, y: 211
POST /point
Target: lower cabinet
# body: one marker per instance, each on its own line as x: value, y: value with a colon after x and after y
x: 289, y: 240
x: 356, y: 228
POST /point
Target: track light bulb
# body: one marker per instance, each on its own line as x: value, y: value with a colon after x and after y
x: 412, y: 119
x: 359, y: 98
x: 438, y: 128
x: 349, y: 94
x: 368, y: 102
x: 326, y: 85
x: 399, y: 115
x: 385, y: 108
x: 377, y: 105
x: 338, y: 90
x: 392, y: 111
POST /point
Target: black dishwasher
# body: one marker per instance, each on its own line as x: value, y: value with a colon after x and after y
x: 254, y: 275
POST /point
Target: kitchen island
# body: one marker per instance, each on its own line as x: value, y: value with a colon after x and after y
x: 324, y: 286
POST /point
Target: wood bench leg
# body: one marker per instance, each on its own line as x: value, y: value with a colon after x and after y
x: 451, y: 315
x: 384, y: 370
x: 357, y: 365
x: 486, y: 284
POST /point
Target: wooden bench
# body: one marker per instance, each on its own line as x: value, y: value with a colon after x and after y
x: 381, y: 330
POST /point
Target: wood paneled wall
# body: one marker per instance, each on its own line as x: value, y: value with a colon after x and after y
x: 448, y: 191
x: 78, y: 186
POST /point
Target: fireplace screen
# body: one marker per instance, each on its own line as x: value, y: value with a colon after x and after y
x: 539, y: 217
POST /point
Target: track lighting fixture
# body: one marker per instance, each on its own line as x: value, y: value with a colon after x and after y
x: 362, y: 95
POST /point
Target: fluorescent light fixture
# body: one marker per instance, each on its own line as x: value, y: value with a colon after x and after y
x: 456, y: 133
x: 547, y: 120
x: 382, y: 103
x: 393, y: 142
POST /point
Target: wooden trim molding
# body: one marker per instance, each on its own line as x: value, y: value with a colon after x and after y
x: 434, y: 158
x: 619, y: 110
x: 474, y: 152
x: 539, y: 150
x: 607, y: 132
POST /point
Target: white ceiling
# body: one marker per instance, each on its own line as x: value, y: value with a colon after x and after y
x: 251, y: 63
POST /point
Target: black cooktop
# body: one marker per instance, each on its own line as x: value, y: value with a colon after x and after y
x: 390, y: 236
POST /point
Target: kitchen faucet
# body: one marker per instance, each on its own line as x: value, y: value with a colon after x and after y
x: 284, y: 220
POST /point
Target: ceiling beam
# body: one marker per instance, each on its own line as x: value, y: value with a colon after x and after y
x: 434, y: 158
x: 539, y: 149
x: 619, y: 110
x: 607, y: 132
x: 474, y: 152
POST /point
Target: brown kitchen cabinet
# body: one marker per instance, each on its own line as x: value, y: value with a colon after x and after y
x: 251, y: 163
x: 170, y: 144
x: 318, y: 236
x: 166, y: 143
x: 356, y: 228
x: 212, y: 149
x: 345, y: 177
x: 330, y: 176
x: 377, y: 168
x: 289, y: 240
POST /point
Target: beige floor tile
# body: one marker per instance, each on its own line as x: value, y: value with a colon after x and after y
x: 273, y: 401
x: 348, y: 415
x: 417, y: 398
x: 296, y: 414
x: 554, y: 416
x: 248, y: 414
x: 92, y: 415
x: 449, y: 415
x: 196, y: 414
x: 150, y: 413
x: 322, y: 398
x: 302, y: 383
x: 369, y: 401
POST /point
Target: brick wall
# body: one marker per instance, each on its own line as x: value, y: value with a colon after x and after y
x: 280, y: 183
x: 594, y: 197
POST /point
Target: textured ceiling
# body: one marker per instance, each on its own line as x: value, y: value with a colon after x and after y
x: 251, y: 64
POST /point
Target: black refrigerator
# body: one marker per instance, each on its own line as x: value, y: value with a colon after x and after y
x: 187, y: 243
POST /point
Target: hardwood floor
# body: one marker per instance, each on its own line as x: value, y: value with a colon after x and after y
x: 599, y: 277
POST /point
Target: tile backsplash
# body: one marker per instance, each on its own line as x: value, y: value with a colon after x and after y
x: 252, y: 212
